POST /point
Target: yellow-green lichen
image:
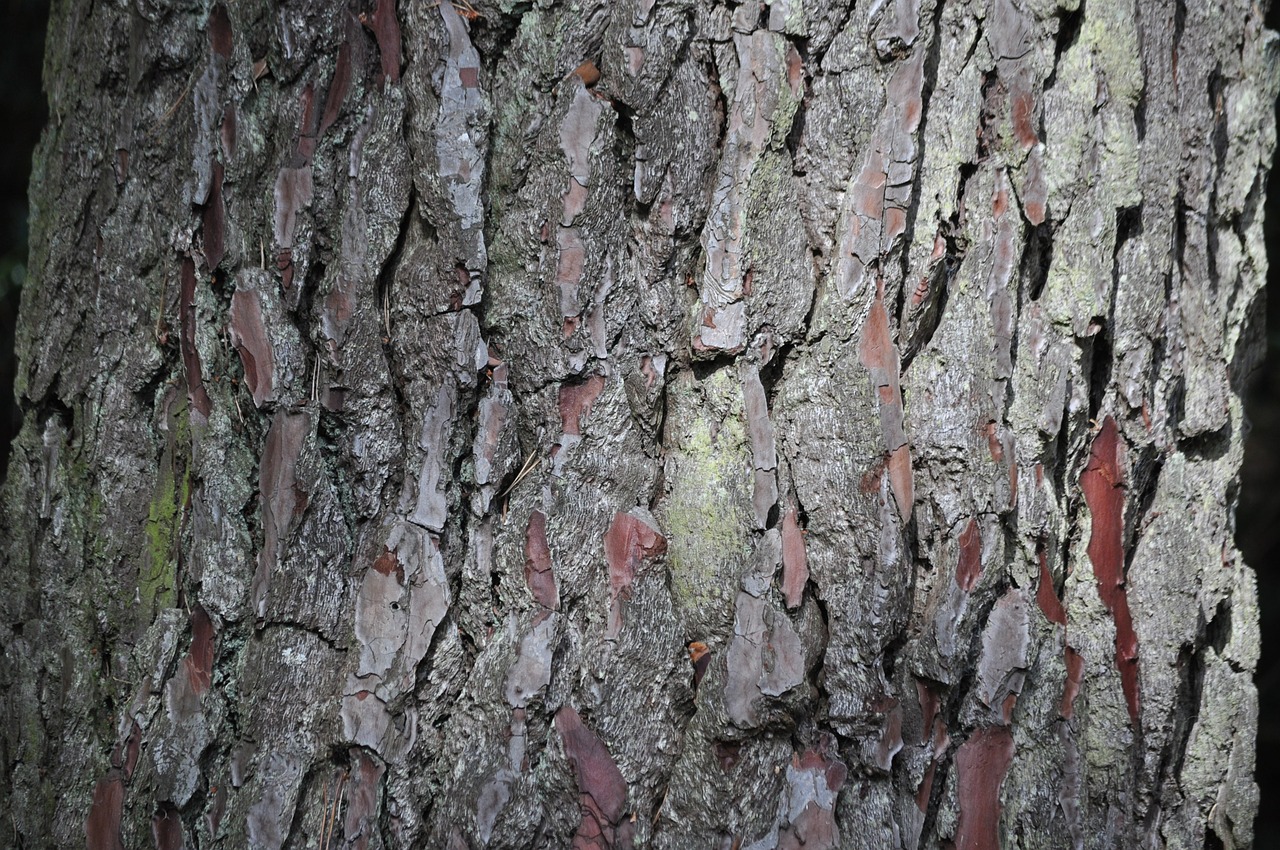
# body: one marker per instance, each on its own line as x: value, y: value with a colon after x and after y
x: 158, y: 573
x: 157, y: 580
x: 705, y: 516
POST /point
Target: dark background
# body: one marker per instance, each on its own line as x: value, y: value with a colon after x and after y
x: 1258, y: 528
x: 1258, y: 519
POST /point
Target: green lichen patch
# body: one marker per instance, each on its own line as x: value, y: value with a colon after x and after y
x: 707, y: 513
x: 158, y: 572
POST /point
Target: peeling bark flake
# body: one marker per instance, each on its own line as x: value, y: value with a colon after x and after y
x: 102, y: 828
x: 1006, y: 640
x: 1104, y: 493
x: 969, y: 564
x: 1046, y: 595
x: 795, y: 565
x: 759, y: 425
x: 387, y: 564
x: 227, y: 131
x: 981, y: 765
x: 538, y: 574
x: 627, y: 543
x: 292, y: 193
x: 1035, y: 189
x: 601, y: 788
x: 361, y: 819
x: 199, y: 660
x: 166, y: 828
x: 576, y: 401
x: 879, y: 355
x: 220, y: 31
x: 213, y: 219
x: 338, y: 88
x: 1071, y: 687
x: 700, y: 658
x: 385, y: 26
x: 815, y: 778
x: 249, y: 336
x: 283, y: 499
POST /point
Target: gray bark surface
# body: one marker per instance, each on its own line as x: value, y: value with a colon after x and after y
x: 656, y: 424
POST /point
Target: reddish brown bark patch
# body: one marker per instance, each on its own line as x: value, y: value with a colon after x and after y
x: 588, y: 73
x: 1071, y: 688
x: 969, y: 565
x: 824, y: 759
x: 166, y: 828
x: 602, y: 792
x: 1022, y: 108
x: 1046, y: 596
x: 814, y: 827
x: 199, y: 660
x: 569, y: 268
x: 102, y: 828
x: 307, y: 124
x: 387, y: 563
x: 228, y: 131
x: 868, y: 189
x: 727, y: 754
x: 283, y: 499
x: 890, y: 743
x: 900, y: 478
x: 906, y: 86
x: 760, y: 427
x: 213, y: 220
x: 795, y: 563
x: 926, y: 787
x: 538, y: 574
x: 879, y: 355
x: 895, y: 223
x: 576, y: 401
x: 187, y: 340
x: 126, y: 752
x: 700, y: 657
x: 284, y: 263
x: 627, y: 543
x: 981, y: 765
x: 386, y: 31
x: 1035, y: 189
x: 220, y: 31
x: 338, y: 88
x: 249, y: 336
x: 1103, y: 491
x: 362, y: 798
x: 993, y: 441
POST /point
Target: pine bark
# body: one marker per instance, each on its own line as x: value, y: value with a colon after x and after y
x: 659, y: 424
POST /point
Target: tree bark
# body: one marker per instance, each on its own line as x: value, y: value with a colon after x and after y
x: 659, y: 424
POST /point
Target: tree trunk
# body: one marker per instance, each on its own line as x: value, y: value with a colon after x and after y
x: 637, y: 424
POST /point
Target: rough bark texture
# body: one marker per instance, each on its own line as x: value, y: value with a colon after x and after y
x: 637, y: 424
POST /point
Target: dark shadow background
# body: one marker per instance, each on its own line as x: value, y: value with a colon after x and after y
x: 1258, y: 520
x: 23, y: 114
x: 1258, y: 526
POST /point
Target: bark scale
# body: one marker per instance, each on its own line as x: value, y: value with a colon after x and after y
x: 637, y: 424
